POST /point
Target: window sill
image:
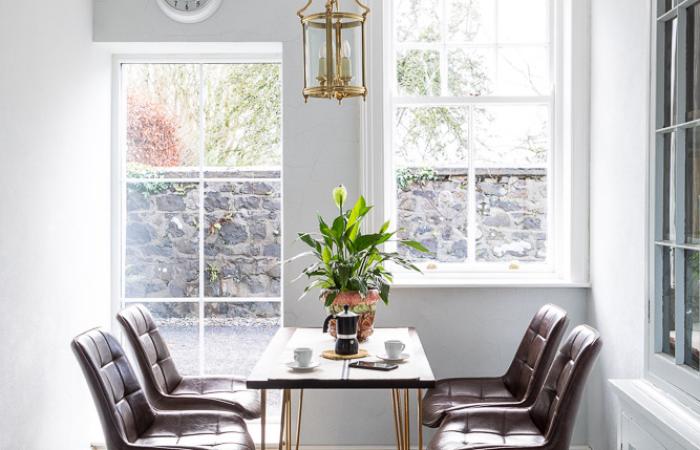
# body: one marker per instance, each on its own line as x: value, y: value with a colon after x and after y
x: 659, y: 409
x: 464, y: 281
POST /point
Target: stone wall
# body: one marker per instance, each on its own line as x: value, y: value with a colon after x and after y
x: 241, y: 239
x: 511, y: 214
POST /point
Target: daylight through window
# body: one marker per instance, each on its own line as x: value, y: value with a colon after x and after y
x: 201, y: 208
x: 471, y: 109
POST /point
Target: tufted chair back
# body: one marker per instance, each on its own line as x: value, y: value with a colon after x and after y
x: 555, y: 409
x: 121, y: 403
x: 157, y: 366
x: 528, y: 370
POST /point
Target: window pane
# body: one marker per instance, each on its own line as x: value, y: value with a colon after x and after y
x: 522, y: 21
x: 431, y: 136
x: 511, y: 207
x: 693, y: 63
x: 418, y: 72
x: 523, y: 71
x: 243, y: 115
x: 162, y: 240
x: 511, y: 136
x: 417, y: 21
x: 692, y: 188
x: 692, y: 309
x: 669, y: 93
x: 236, y: 335
x: 179, y: 325
x: 668, y: 301
x: 471, y: 72
x: 243, y: 243
x: 666, y: 5
x: 472, y: 21
x: 432, y: 209
x: 162, y: 115
x: 667, y: 191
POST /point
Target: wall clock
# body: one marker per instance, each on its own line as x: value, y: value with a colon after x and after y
x: 189, y: 11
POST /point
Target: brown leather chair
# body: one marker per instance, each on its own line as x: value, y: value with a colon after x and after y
x: 128, y: 420
x: 546, y: 425
x: 518, y: 387
x: 166, y: 388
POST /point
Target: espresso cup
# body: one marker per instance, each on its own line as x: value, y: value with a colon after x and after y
x: 302, y: 356
x: 394, y: 348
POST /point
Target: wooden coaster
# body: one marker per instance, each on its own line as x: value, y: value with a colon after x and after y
x: 333, y: 356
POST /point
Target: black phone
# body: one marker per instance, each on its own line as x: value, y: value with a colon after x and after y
x: 373, y: 365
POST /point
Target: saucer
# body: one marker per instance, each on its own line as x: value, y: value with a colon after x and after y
x: 297, y: 368
x: 403, y: 357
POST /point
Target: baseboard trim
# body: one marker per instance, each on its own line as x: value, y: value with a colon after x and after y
x: 336, y: 447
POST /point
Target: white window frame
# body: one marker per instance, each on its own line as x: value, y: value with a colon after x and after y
x: 568, y: 179
x: 182, y: 54
x: 668, y: 372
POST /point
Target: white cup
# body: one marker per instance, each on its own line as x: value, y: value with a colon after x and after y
x: 394, y: 348
x: 302, y: 356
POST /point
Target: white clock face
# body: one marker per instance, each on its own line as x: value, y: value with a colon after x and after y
x: 187, y: 5
x: 189, y: 11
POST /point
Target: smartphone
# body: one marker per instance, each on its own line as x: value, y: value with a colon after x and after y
x: 373, y: 365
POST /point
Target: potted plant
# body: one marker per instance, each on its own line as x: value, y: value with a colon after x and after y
x: 349, y: 267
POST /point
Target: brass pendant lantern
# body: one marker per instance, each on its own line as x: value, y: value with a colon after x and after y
x: 334, y: 51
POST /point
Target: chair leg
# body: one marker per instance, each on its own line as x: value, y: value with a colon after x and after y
x: 263, y: 416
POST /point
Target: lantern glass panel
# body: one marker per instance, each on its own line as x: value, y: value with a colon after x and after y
x: 350, y: 66
x: 316, y: 55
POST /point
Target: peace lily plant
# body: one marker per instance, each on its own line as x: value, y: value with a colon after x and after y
x: 349, y: 267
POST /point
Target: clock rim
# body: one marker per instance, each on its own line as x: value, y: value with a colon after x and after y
x: 195, y: 16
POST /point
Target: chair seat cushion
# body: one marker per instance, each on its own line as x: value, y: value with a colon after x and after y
x: 224, y: 389
x: 463, y: 392
x: 488, y: 426
x: 216, y: 430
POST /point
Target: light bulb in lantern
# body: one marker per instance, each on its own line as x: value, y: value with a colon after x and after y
x: 322, y: 64
x: 345, y: 65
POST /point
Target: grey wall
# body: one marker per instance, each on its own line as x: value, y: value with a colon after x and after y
x: 54, y: 269
x: 619, y: 142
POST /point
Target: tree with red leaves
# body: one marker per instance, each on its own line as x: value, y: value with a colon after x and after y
x: 151, y: 134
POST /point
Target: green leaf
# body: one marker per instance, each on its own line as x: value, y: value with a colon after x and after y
x: 357, y: 211
x: 330, y: 298
x: 416, y: 246
x: 311, y: 242
x: 326, y: 255
x: 338, y: 227
x: 367, y: 240
x: 385, y: 226
x: 323, y: 227
x: 384, y: 293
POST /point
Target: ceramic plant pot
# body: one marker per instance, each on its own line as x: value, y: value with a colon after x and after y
x: 366, y: 308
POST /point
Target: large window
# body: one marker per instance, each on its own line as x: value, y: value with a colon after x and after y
x: 471, y: 113
x: 200, y: 182
x: 676, y: 230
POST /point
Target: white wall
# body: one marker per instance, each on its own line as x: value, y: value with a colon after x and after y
x: 54, y: 218
x: 54, y: 140
x: 465, y: 331
x: 619, y: 142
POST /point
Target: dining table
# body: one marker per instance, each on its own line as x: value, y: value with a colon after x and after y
x: 413, y: 375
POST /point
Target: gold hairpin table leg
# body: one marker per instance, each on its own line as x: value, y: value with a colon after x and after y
x: 263, y: 418
x: 420, y: 418
x: 301, y: 406
x: 402, y: 419
x: 288, y: 425
x: 407, y: 419
x: 396, y: 409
